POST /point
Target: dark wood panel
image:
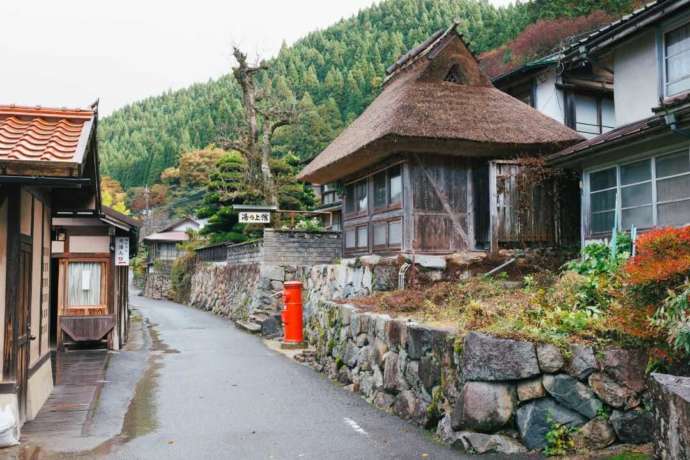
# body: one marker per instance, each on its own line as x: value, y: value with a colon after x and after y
x: 87, y: 328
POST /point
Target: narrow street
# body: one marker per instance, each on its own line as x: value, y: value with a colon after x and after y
x: 211, y: 391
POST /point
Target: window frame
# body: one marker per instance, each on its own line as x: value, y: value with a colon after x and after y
x: 671, y: 27
x: 599, y: 97
x: 64, y: 307
x: 618, y: 207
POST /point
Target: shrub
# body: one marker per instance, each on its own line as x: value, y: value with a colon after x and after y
x: 663, y: 255
x: 181, y: 276
x: 674, y: 317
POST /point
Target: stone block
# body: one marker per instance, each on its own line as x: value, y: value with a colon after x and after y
x: 429, y: 373
x: 582, y: 362
x: 671, y: 401
x: 626, y: 367
x: 612, y: 393
x: 484, y: 406
x: 550, y: 358
x: 530, y: 389
x: 572, y: 394
x: 419, y: 340
x: 535, y: 418
x: 594, y: 435
x: 489, y: 358
x: 634, y: 426
x: 391, y: 372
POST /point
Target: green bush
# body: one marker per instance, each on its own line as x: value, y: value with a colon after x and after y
x: 673, y: 316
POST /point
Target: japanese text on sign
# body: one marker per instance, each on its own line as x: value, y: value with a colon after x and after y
x: 255, y: 217
x: 122, y: 251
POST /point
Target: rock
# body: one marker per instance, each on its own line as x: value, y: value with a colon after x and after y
x: 582, y: 363
x: 273, y: 272
x: 671, y: 401
x: 396, y: 334
x: 344, y: 375
x: 361, y: 340
x: 626, y: 367
x: 484, y: 406
x: 633, y: 427
x: 412, y: 374
x: 534, y: 420
x: 530, y: 389
x: 550, y: 358
x: 594, y: 435
x: 429, y: 373
x: 351, y: 354
x: 383, y: 401
x: 429, y: 261
x: 613, y: 394
x: 419, y: 340
x: 359, y: 323
x: 572, y: 394
x: 276, y: 285
x: 478, y: 443
x: 346, y: 311
x: 364, y: 358
x: 491, y: 359
x: 390, y: 372
x: 370, y: 260
x: 379, y: 350
x: 367, y: 385
x: 407, y: 406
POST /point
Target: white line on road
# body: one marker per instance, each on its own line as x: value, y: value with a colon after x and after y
x: 355, y: 426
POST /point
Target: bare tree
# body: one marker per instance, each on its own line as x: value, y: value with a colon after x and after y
x: 263, y: 116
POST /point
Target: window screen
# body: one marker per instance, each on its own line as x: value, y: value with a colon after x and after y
x: 84, y: 283
x: 673, y: 189
x: 380, y: 230
x: 350, y: 238
x: 603, y: 187
x: 395, y: 233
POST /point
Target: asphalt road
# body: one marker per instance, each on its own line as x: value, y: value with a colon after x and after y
x: 215, y: 392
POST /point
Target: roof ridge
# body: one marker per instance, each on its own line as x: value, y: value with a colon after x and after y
x: 49, y: 112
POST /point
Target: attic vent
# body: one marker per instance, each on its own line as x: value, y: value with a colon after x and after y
x: 454, y: 75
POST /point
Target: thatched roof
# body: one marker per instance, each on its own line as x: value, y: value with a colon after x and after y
x: 418, y: 110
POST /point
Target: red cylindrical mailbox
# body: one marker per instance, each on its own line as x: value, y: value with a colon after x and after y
x: 292, y: 312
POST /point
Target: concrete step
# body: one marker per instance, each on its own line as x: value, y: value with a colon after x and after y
x: 249, y: 326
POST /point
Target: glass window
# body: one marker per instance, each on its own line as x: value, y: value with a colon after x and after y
x: 649, y: 196
x: 586, y: 115
x: 350, y: 238
x: 84, y: 283
x: 677, y: 57
x: 395, y: 185
x: 362, y: 237
x: 608, y: 115
x: 395, y: 233
x: 380, y: 190
x: 380, y: 230
x: 350, y: 198
x: 361, y: 195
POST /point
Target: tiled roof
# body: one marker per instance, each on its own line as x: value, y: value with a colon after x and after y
x: 43, y: 134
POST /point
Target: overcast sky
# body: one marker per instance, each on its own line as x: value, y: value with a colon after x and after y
x: 71, y: 52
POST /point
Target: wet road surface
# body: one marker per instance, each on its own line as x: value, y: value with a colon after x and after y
x: 212, y: 391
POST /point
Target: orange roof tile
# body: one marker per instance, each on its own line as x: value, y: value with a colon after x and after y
x: 44, y: 134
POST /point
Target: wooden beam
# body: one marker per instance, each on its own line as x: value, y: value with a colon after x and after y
x: 493, y: 209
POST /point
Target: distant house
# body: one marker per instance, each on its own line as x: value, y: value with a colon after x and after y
x: 637, y: 174
x: 420, y: 168
x: 162, y: 245
x: 57, y: 269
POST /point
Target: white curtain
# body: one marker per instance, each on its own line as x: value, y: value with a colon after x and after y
x: 84, y: 283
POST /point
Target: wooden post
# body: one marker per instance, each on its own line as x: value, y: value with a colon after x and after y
x: 493, y: 209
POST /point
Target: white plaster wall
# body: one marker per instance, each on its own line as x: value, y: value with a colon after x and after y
x: 39, y: 388
x: 636, y: 81
x: 549, y: 99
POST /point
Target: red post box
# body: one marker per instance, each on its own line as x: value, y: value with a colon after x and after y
x: 292, y: 313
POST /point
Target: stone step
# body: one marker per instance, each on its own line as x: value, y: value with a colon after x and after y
x: 249, y: 326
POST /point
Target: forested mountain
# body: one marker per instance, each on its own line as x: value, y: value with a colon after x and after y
x: 330, y: 75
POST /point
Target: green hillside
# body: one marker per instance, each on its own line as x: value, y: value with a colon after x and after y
x: 331, y: 75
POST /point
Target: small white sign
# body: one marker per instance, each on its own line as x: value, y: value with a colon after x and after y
x: 122, y: 251
x: 255, y: 217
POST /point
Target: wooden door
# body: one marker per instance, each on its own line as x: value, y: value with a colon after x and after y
x: 23, y: 324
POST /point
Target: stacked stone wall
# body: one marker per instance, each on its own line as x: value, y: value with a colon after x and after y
x: 294, y: 248
x: 479, y: 392
x: 225, y: 289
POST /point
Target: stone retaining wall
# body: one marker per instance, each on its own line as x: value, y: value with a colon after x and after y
x: 289, y: 247
x: 483, y: 393
x: 225, y: 289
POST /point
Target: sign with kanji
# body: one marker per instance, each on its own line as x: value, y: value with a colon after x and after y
x: 122, y: 251
x: 247, y: 217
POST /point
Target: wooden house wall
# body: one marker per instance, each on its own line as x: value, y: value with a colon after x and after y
x: 441, y: 213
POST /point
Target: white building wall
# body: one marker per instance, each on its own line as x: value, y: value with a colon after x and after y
x: 636, y: 84
x: 548, y: 98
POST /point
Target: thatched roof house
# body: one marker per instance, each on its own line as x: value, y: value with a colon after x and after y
x: 429, y: 136
x: 437, y: 96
